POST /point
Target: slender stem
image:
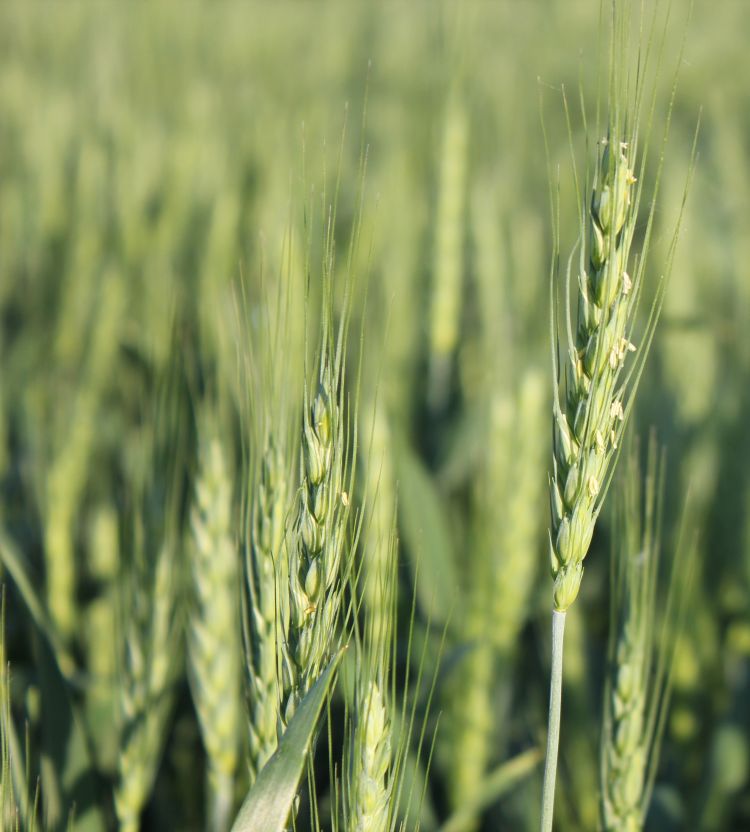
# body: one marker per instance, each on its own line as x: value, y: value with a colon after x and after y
x: 553, y: 728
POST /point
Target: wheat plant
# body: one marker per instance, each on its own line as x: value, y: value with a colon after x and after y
x: 176, y: 640
x: 594, y: 387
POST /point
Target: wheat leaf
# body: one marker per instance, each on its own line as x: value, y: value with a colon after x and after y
x: 269, y: 801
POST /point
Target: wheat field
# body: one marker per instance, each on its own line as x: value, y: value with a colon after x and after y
x: 345, y: 347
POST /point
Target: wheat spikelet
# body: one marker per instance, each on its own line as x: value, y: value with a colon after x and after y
x: 215, y: 643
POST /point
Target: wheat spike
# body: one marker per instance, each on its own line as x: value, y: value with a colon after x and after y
x: 372, y: 760
x: 268, y: 575
x: 215, y: 643
x: 587, y: 433
x: 445, y: 311
x: 150, y: 666
x: 644, y: 628
x: 316, y: 542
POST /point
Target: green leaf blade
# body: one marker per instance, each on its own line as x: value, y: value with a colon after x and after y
x: 269, y: 801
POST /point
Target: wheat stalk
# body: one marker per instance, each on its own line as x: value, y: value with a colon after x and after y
x: 587, y: 433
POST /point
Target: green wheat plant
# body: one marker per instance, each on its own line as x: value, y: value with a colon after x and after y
x: 594, y: 384
x: 270, y: 413
x: 315, y: 597
x: 318, y: 536
x: 318, y: 545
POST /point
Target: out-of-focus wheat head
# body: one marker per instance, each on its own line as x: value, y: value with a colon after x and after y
x: 151, y: 663
x: 371, y: 757
x: 372, y: 760
x: 68, y: 473
x: 645, y: 622
x: 380, y: 491
x: 445, y: 308
x: 214, y: 629
x: 268, y: 576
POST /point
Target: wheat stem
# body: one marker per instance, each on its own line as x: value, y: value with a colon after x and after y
x: 553, y: 731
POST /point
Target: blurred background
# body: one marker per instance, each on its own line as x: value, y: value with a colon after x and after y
x: 158, y: 161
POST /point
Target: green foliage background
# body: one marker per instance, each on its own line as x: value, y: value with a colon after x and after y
x: 153, y: 159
